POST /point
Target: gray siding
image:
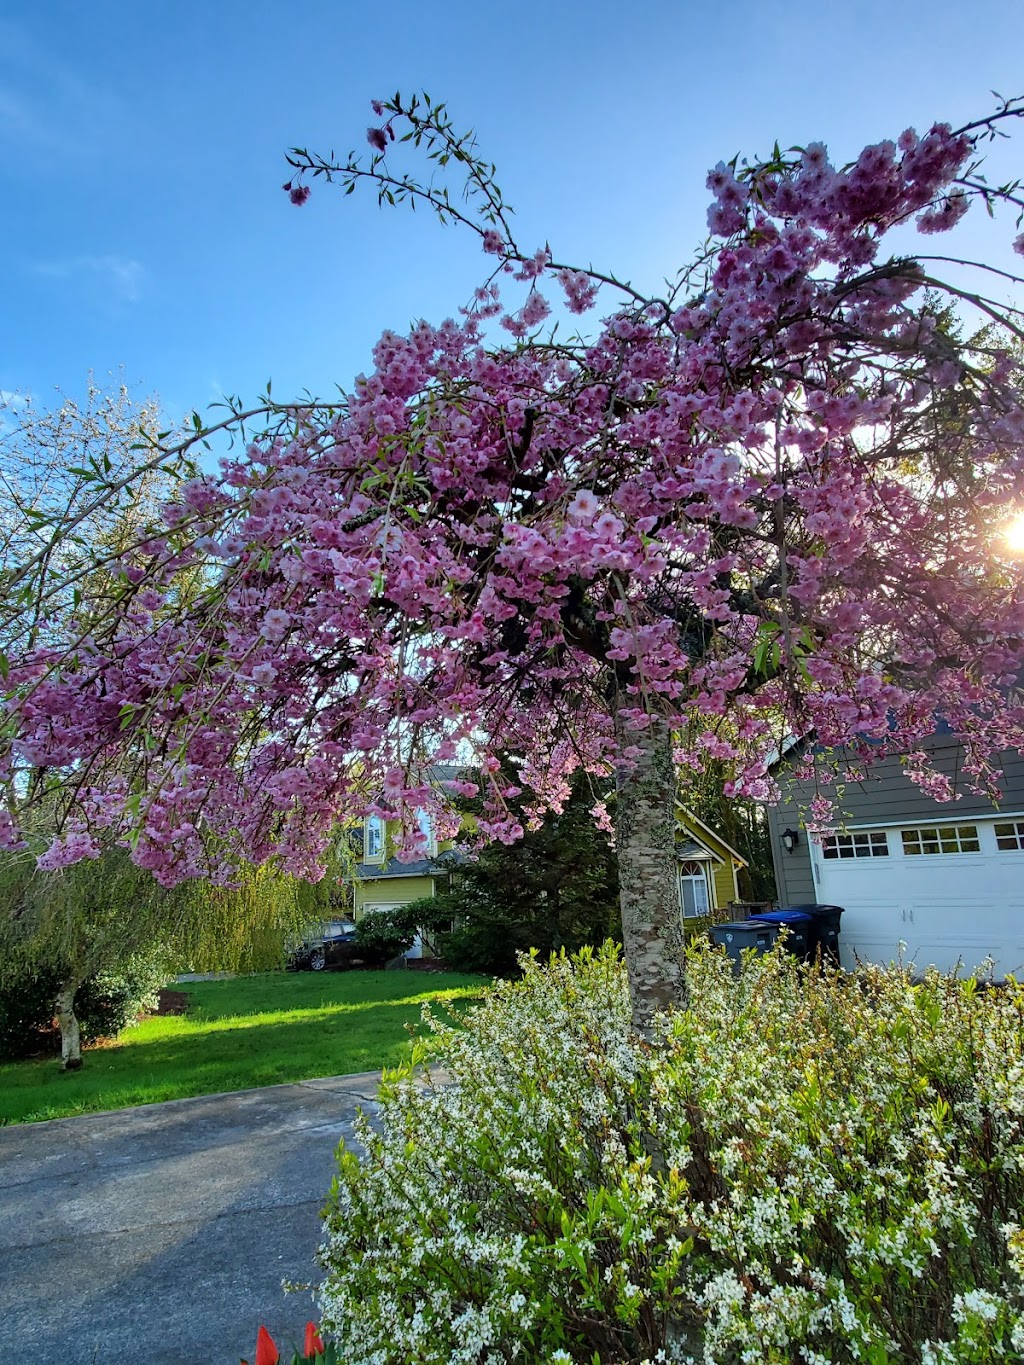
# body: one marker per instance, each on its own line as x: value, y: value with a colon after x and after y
x: 793, y: 880
x: 885, y: 796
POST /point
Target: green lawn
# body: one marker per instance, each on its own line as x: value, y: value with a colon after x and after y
x: 237, y: 1034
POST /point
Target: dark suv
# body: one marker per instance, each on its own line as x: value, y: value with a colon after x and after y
x: 334, y: 946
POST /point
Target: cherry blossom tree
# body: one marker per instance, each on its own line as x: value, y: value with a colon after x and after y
x: 764, y: 503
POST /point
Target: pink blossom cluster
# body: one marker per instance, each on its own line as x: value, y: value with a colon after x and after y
x: 731, y: 513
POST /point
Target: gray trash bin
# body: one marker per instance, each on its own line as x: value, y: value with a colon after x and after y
x: 824, y: 929
x: 736, y: 935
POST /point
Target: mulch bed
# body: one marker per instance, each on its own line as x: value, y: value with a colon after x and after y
x: 172, y: 1002
x: 46, y: 1042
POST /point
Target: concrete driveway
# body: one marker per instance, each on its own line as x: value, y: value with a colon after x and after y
x: 162, y: 1233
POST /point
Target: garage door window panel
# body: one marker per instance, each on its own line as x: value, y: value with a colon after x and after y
x: 1010, y: 836
x: 861, y: 844
x: 940, y: 839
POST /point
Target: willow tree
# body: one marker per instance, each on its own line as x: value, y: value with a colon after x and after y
x: 100, y: 918
x: 763, y: 502
x: 106, y: 918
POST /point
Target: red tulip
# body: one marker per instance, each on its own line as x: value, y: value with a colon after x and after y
x: 314, y: 1346
x: 266, y: 1351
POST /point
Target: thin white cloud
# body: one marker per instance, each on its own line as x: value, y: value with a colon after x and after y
x: 122, y: 275
x: 12, y: 406
x: 46, y: 106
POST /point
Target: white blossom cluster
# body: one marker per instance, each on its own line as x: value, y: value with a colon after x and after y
x: 805, y: 1167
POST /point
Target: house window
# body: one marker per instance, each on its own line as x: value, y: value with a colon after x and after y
x: 1010, y: 836
x: 374, y: 838
x: 941, y: 839
x: 693, y: 890
x: 423, y: 825
x: 863, y: 844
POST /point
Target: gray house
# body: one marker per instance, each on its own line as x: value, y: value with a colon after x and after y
x: 944, y: 879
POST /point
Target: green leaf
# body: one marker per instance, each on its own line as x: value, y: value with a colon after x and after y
x: 766, y: 649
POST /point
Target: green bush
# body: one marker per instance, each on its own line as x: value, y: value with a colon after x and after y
x: 105, y: 1004
x: 482, y: 948
x: 487, y: 947
x: 112, y: 1000
x: 384, y: 934
x: 804, y: 1167
x: 26, y: 1011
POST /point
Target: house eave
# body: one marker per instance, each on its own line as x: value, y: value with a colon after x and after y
x: 692, y: 819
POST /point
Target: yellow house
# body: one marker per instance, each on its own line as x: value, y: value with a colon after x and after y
x: 707, y: 867
x: 383, y: 882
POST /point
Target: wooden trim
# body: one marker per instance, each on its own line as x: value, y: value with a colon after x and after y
x: 911, y: 822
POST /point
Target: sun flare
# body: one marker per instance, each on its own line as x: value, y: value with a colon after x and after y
x: 1014, y: 534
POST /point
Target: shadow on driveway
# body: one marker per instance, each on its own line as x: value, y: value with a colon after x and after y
x: 162, y: 1233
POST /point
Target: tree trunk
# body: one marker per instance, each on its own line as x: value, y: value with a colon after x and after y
x: 70, y: 1037
x: 645, y: 840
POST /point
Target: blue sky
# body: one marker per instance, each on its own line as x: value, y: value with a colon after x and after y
x: 142, y: 156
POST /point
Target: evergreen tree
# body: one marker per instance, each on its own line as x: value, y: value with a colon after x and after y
x: 557, y: 887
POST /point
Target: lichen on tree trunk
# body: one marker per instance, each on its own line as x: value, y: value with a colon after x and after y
x: 645, y: 829
x: 70, y: 1035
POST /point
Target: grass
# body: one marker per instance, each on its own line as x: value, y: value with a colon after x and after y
x: 238, y: 1034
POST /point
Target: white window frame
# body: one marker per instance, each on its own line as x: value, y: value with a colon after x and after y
x: 374, y: 838
x: 952, y: 836
x: 1012, y: 830
x: 426, y: 826
x: 695, y: 879
x: 855, y: 845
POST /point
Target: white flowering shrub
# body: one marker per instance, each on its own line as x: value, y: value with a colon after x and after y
x: 805, y: 1167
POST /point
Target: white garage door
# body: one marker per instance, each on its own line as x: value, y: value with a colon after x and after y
x: 953, y: 893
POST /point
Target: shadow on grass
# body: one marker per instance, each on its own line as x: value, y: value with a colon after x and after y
x: 270, y: 992
x: 179, y: 1056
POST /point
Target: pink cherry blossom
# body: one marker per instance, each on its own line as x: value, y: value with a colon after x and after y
x: 764, y: 505
x: 584, y: 506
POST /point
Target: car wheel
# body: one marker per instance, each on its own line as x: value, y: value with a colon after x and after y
x: 317, y: 960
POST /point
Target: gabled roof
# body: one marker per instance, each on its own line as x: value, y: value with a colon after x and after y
x: 704, y: 837
x: 707, y: 837
x: 422, y: 867
x: 441, y: 863
x: 697, y: 851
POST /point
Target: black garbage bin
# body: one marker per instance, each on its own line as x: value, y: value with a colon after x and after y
x: 736, y: 935
x: 800, y: 936
x: 824, y: 929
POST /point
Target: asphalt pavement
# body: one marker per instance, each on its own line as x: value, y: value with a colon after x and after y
x: 162, y: 1233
